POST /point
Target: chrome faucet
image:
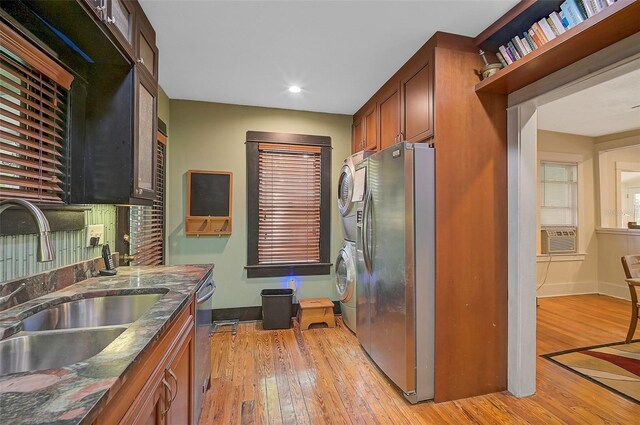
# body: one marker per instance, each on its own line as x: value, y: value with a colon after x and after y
x: 45, y: 247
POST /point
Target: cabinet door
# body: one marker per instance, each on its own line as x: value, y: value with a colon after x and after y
x: 180, y: 376
x: 97, y: 7
x: 145, y: 127
x: 153, y: 409
x: 146, y: 49
x: 357, y: 142
x: 120, y: 18
x: 390, y: 119
x: 417, y: 105
x: 370, y: 130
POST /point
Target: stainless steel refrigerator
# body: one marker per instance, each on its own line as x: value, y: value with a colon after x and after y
x: 395, y: 264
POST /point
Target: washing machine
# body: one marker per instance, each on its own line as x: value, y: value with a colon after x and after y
x: 346, y: 283
x: 346, y: 187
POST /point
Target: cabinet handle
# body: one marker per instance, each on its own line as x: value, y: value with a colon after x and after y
x: 175, y: 379
x: 100, y: 8
x: 111, y: 20
x: 141, y: 60
x: 401, y: 136
x: 168, y: 387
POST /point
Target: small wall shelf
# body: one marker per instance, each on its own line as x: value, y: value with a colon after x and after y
x: 209, y: 203
x: 612, y: 24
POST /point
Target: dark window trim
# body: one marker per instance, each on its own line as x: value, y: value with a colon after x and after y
x: 259, y: 270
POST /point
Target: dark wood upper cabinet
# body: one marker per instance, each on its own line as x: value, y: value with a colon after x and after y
x: 417, y: 105
x: 120, y: 19
x: 97, y: 7
x: 145, y: 128
x: 389, y: 117
x: 113, y: 118
x: 146, y: 51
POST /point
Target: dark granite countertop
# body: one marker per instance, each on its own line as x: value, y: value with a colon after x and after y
x: 76, y: 394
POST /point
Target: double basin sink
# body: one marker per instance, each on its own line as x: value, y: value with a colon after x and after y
x: 71, y: 332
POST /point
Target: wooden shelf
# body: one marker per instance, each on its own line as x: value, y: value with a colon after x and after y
x: 611, y: 25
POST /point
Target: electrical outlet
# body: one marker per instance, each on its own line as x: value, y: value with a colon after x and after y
x: 95, y: 231
x: 293, y: 285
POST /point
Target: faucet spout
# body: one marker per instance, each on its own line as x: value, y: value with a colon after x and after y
x: 45, y: 247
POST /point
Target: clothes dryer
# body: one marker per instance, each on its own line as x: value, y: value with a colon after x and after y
x: 346, y: 186
x: 346, y: 283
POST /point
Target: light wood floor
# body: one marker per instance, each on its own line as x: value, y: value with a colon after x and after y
x: 322, y: 376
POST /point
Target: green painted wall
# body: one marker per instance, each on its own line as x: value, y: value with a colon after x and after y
x: 164, y: 112
x: 211, y: 136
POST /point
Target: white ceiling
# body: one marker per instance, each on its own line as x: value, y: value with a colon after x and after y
x: 605, y: 108
x: 339, y: 52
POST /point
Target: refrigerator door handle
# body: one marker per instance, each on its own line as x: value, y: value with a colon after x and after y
x: 365, y: 233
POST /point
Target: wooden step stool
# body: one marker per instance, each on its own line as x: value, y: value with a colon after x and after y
x: 316, y: 310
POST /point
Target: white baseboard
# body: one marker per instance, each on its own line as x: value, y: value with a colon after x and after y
x: 616, y: 290
x: 567, y: 288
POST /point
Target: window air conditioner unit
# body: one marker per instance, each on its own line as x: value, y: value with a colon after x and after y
x: 559, y: 240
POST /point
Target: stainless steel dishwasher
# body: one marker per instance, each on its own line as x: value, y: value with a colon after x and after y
x: 202, y: 374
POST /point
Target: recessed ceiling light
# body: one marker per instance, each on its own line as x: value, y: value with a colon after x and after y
x: 295, y: 89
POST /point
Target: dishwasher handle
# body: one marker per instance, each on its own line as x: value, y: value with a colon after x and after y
x: 208, y: 295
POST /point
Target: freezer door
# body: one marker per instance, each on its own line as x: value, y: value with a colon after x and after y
x: 363, y: 280
x: 389, y: 244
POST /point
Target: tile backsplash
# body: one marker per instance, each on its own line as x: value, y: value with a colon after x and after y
x: 18, y: 253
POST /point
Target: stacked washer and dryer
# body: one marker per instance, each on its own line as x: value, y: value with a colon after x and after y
x: 348, y: 198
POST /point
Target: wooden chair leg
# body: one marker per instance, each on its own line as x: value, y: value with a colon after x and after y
x: 632, y: 325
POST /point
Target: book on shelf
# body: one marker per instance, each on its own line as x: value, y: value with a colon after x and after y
x: 506, y: 55
x: 511, y: 48
x: 583, y: 10
x: 530, y: 40
x: 563, y: 18
x: 501, y: 59
x: 557, y: 23
x: 547, y: 28
x: 538, y: 31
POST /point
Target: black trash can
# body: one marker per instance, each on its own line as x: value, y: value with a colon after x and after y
x: 277, y: 308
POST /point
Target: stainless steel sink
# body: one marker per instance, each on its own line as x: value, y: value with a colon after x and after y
x: 91, y: 312
x: 46, y: 350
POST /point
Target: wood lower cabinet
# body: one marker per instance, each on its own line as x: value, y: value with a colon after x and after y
x: 152, y: 409
x: 180, y: 376
x: 417, y: 105
x: 159, y: 390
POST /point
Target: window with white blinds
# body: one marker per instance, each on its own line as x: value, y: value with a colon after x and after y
x: 289, y: 204
x: 33, y: 109
x: 146, y: 223
x: 558, y: 194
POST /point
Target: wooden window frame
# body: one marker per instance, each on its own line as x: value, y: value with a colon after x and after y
x: 35, y: 154
x: 323, y: 267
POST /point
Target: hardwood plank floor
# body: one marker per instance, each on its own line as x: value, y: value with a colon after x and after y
x: 322, y: 376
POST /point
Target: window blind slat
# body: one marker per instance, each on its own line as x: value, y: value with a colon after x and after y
x: 28, y: 143
x: 25, y: 100
x: 43, y: 97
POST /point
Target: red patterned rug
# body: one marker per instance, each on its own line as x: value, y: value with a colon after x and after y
x: 614, y: 366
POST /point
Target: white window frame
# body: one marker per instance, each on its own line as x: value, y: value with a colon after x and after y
x: 562, y: 158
